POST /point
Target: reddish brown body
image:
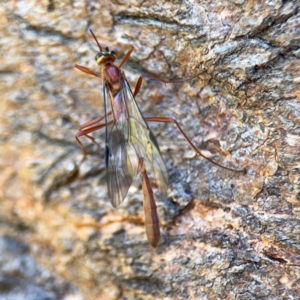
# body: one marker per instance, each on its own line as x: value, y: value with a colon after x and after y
x: 112, y: 75
x: 129, y: 133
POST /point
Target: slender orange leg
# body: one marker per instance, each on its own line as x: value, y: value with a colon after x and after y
x: 87, y: 70
x: 86, y: 132
x: 125, y: 58
x: 138, y: 85
x: 88, y: 124
x: 171, y: 120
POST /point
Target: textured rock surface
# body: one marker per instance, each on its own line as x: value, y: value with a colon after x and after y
x: 225, y: 235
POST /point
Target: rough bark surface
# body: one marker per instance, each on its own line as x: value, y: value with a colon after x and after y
x: 225, y: 235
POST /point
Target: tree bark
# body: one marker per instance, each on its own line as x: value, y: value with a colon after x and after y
x: 225, y: 234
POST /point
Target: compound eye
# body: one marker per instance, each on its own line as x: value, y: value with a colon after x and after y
x: 100, y: 54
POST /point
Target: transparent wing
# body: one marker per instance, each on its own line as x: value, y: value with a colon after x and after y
x: 120, y: 157
x: 121, y: 166
x: 143, y: 140
x: 145, y: 146
x: 127, y: 142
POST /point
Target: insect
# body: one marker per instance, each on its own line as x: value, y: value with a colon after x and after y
x: 130, y: 146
